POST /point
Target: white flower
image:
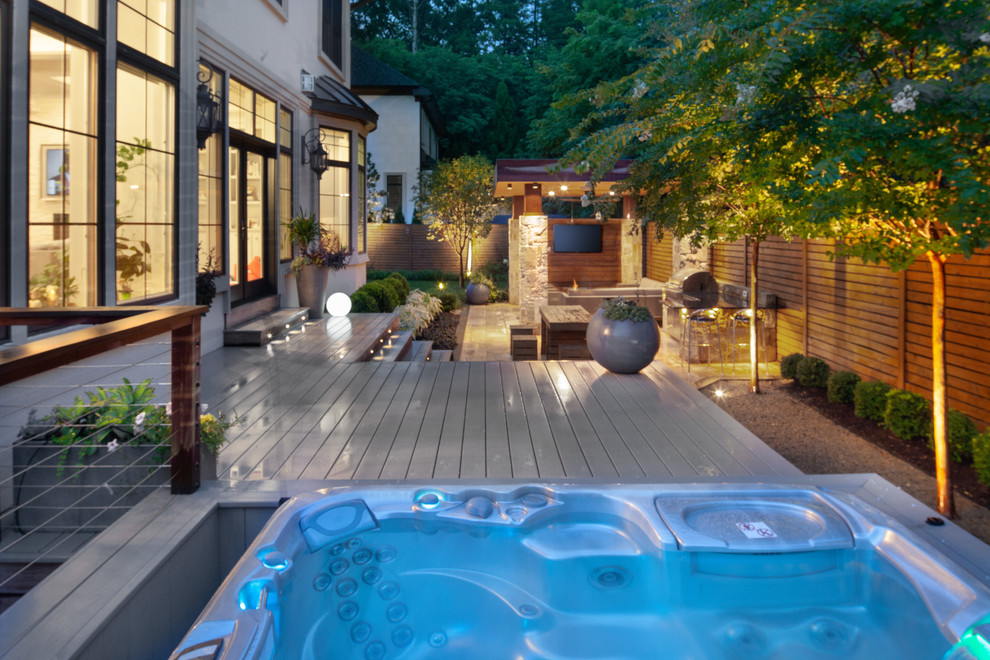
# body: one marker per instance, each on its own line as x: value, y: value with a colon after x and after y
x: 646, y: 136
x: 745, y: 94
x: 638, y: 90
x: 203, y: 407
x: 168, y: 408
x: 904, y: 100
x: 112, y: 446
x: 139, y: 420
x: 985, y: 37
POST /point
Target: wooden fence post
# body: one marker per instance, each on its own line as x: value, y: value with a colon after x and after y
x: 185, y: 407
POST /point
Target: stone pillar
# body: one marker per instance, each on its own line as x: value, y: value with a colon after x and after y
x: 686, y: 255
x: 631, y: 244
x: 514, y: 255
x: 532, y: 265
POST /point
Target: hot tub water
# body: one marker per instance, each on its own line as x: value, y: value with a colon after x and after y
x: 541, y: 573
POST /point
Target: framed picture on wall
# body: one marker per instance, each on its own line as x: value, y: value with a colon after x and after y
x: 56, y: 163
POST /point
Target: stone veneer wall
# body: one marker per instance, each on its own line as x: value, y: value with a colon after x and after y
x: 631, y: 251
x: 528, y: 265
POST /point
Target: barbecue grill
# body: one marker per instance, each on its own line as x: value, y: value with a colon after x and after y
x: 692, y: 288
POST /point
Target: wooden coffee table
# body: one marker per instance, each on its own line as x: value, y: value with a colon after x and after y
x: 562, y: 325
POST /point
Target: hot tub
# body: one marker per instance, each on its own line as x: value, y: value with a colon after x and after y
x: 582, y: 571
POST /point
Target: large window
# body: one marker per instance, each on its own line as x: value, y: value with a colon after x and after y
x: 145, y: 185
x: 332, y: 34
x: 211, y: 187
x: 284, y: 183
x: 335, y: 186
x: 147, y: 26
x: 393, y: 193
x: 62, y: 179
x: 362, y: 223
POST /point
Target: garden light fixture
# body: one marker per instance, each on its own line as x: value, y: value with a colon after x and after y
x: 313, y: 147
x: 209, y: 111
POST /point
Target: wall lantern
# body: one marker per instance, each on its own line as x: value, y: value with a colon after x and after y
x: 318, y: 160
x: 209, y: 112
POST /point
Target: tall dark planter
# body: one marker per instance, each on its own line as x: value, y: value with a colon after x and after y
x: 77, y: 492
x: 311, y: 283
x: 622, y: 347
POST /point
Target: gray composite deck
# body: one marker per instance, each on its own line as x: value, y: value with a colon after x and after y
x: 309, y: 412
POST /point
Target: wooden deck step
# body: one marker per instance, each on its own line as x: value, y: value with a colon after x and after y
x: 260, y: 330
x: 394, y: 348
x: 419, y: 351
x: 442, y: 355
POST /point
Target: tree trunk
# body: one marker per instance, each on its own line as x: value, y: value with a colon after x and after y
x: 943, y: 477
x: 414, y: 6
x: 460, y: 267
x: 754, y: 348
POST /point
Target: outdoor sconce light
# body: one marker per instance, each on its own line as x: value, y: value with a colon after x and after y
x: 209, y: 112
x: 313, y: 147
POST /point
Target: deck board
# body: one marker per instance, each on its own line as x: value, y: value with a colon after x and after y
x: 311, y: 413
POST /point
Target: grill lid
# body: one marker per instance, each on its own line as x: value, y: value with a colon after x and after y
x: 690, y: 278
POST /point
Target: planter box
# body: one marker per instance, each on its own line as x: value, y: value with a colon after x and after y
x: 81, y: 492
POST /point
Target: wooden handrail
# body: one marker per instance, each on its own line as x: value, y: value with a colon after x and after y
x: 115, y: 327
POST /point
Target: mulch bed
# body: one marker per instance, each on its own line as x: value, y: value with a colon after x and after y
x: 442, y: 331
x: 916, y: 452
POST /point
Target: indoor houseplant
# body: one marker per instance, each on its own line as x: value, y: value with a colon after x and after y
x: 319, y: 253
x: 622, y: 336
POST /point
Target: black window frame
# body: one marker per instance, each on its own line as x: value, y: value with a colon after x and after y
x: 332, y: 31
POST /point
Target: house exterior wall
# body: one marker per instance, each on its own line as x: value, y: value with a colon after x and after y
x: 395, y: 146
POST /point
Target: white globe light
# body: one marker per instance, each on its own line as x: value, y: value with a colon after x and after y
x: 338, y: 304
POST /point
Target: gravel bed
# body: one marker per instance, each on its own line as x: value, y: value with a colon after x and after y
x: 817, y: 445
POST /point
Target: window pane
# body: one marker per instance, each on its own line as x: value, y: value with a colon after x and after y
x: 145, y: 186
x: 337, y: 144
x: 62, y: 187
x: 149, y: 27
x: 211, y: 248
x: 285, y: 129
x: 284, y: 205
x: 84, y: 11
x: 335, y: 203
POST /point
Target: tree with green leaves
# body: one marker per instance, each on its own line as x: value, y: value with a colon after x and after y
x: 456, y: 203
x: 863, y: 122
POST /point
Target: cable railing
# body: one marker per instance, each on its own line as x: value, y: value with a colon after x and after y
x: 74, y: 471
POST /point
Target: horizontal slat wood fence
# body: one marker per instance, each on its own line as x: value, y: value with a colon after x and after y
x: 864, y: 318
x: 658, y: 255
x: 406, y: 247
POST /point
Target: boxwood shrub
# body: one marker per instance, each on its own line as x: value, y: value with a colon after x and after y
x: 842, y: 386
x: 961, y: 430
x: 870, y: 399
x: 363, y: 302
x: 788, y: 365
x: 401, y: 285
x: 907, y: 415
x: 981, y: 457
x: 813, y: 372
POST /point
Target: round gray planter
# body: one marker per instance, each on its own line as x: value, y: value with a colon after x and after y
x: 312, y: 287
x: 478, y: 294
x: 622, y: 347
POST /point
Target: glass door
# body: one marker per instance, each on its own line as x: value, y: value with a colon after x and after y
x: 252, y: 266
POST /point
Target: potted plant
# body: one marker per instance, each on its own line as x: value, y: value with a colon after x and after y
x: 479, y: 289
x: 622, y: 336
x: 320, y: 252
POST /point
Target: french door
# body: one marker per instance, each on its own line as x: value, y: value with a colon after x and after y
x: 253, y: 263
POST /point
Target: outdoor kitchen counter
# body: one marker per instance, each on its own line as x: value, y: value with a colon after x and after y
x: 562, y: 325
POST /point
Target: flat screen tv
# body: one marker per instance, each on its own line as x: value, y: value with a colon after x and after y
x: 577, y: 238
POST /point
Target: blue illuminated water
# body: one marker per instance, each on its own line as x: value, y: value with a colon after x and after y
x: 590, y: 586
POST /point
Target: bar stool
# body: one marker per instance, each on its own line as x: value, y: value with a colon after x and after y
x: 744, y: 317
x: 706, y: 321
